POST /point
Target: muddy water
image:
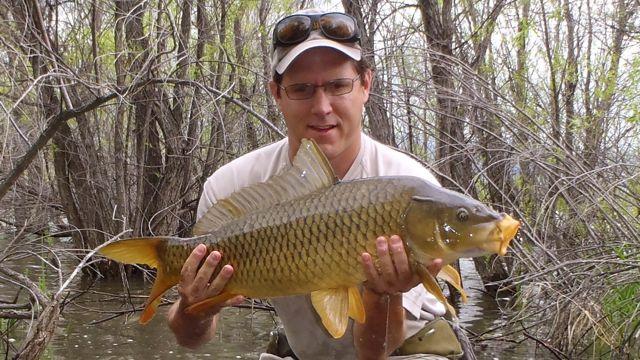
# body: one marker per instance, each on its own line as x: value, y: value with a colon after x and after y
x: 243, y: 333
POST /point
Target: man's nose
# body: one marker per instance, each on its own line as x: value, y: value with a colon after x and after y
x: 321, y: 102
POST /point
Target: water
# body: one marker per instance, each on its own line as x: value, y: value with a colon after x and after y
x: 481, y: 313
x: 242, y: 333
x: 81, y: 334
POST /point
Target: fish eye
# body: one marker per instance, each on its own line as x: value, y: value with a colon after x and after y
x: 462, y: 214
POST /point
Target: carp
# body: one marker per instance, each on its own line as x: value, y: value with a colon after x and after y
x: 303, y: 232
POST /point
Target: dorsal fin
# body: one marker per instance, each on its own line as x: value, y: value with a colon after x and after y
x: 309, y: 172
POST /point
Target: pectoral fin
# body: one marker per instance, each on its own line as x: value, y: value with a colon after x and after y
x: 451, y: 275
x: 334, y: 306
x: 432, y: 286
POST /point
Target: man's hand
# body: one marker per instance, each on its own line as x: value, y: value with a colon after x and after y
x: 195, y: 286
x: 391, y: 273
x: 387, y: 278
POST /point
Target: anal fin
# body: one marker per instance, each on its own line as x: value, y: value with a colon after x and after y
x: 160, y: 286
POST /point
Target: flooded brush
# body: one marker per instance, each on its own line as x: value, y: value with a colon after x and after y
x: 582, y: 308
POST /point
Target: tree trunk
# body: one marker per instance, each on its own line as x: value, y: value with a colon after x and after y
x: 571, y: 79
x: 121, y: 170
x: 381, y: 127
x: 265, y: 47
x: 216, y: 152
x: 239, y: 46
x: 596, y: 126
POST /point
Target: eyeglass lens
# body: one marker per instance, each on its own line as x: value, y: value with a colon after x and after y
x: 334, y: 88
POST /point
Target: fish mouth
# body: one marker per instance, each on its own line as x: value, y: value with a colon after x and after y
x: 498, y: 235
x: 508, y: 227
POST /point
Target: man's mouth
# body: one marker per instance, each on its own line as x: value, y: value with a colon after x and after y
x: 322, y: 128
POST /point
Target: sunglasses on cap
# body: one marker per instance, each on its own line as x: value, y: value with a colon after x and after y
x: 295, y: 29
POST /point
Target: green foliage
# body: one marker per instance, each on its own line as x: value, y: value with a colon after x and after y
x: 635, y: 114
x: 621, y: 304
x: 49, y: 240
x: 623, y: 251
x: 42, y: 280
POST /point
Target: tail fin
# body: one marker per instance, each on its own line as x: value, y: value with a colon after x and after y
x: 163, y: 283
x: 144, y: 251
x: 135, y: 251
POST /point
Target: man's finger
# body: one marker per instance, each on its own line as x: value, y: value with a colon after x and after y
x: 435, y: 267
x: 236, y: 300
x: 190, y: 266
x: 387, y: 271
x: 206, y: 270
x: 399, y: 256
x: 218, y: 284
x: 370, y: 271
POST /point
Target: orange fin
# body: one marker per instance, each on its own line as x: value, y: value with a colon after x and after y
x: 160, y: 286
x: 432, y: 286
x: 309, y: 171
x: 135, y: 251
x: 208, y: 303
x: 451, y: 275
x: 332, y: 305
x: 356, y: 306
x: 144, y: 251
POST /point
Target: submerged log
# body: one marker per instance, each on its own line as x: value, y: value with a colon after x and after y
x: 15, y: 314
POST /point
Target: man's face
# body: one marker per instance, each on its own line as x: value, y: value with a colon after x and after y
x: 334, y: 122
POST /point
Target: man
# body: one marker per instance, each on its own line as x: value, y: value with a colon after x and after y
x: 320, y: 84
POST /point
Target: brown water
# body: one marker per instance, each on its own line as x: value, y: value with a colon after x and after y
x: 242, y: 334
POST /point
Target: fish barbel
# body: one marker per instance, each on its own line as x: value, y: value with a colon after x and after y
x: 303, y: 232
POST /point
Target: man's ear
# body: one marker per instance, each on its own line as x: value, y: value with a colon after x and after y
x: 367, y: 77
x: 275, y: 90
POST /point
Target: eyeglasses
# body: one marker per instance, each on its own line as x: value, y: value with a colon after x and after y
x: 295, y: 29
x: 334, y: 87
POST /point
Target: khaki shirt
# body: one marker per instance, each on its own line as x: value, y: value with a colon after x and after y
x: 306, y: 335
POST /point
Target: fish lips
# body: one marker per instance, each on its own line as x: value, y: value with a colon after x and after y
x: 497, y: 234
